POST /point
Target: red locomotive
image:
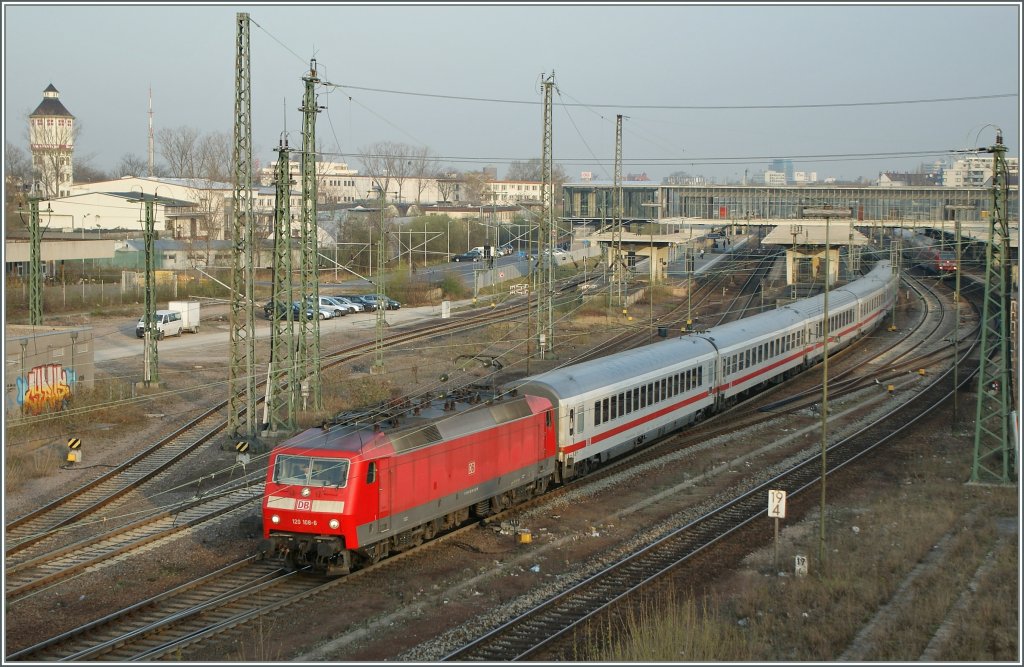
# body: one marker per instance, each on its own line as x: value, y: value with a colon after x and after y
x: 339, y: 498
x: 928, y: 253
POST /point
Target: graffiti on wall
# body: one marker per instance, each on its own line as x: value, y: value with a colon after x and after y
x: 45, y: 388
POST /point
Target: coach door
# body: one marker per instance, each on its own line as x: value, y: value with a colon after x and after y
x: 576, y: 423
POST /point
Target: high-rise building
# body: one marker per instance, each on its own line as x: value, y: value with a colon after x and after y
x: 785, y: 166
x: 51, y: 136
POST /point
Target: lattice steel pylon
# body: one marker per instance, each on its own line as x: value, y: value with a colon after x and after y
x: 309, y: 326
x: 35, y: 264
x: 151, y: 360
x: 242, y: 370
x: 993, y: 453
x: 545, y: 327
x: 380, y: 321
x: 281, y: 399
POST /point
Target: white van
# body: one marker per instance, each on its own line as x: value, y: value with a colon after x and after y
x: 168, y: 323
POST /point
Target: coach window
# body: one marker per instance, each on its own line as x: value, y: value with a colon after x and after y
x: 615, y: 407
x: 643, y: 396
x: 572, y: 421
x: 604, y: 410
x: 700, y: 375
x: 580, y: 423
x: 677, y: 383
x: 636, y: 398
x: 597, y: 413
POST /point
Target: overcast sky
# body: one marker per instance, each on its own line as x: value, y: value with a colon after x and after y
x: 844, y: 91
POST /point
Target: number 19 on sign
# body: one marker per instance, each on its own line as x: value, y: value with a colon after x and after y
x: 777, y: 503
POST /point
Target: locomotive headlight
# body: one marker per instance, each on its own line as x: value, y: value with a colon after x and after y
x: 275, y: 518
x: 305, y: 492
x: 334, y: 523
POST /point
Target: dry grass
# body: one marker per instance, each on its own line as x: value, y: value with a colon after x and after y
x: 654, y: 628
x: 917, y: 548
x: 22, y: 466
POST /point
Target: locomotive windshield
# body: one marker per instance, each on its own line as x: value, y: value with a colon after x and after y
x: 310, y: 471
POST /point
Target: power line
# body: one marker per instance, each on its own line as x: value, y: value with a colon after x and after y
x: 825, y: 157
x: 688, y: 107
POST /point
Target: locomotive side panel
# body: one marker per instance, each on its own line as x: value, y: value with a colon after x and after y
x: 431, y: 482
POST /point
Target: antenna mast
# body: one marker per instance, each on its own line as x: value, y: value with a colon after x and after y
x: 151, y: 131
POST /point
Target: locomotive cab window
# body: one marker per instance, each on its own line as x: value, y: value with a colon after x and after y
x: 310, y: 471
x: 371, y: 472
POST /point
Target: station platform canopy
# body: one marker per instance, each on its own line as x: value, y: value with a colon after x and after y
x: 812, y: 233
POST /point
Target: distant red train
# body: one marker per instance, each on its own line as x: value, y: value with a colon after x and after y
x: 928, y: 253
x: 339, y: 498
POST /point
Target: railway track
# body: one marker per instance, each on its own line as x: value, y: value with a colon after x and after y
x: 34, y: 559
x: 174, y: 639
x: 537, y: 632
x: 27, y: 530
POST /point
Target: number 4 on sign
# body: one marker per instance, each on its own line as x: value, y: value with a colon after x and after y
x: 777, y: 509
x: 777, y: 503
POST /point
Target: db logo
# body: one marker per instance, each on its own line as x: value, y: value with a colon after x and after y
x: 304, y: 505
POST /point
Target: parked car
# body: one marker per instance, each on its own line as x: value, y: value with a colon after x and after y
x: 347, y: 303
x: 167, y: 323
x: 470, y: 256
x: 319, y: 313
x: 390, y: 304
x: 368, y: 303
x: 336, y: 309
x: 282, y: 308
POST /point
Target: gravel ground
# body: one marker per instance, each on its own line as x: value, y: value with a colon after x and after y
x: 424, y: 605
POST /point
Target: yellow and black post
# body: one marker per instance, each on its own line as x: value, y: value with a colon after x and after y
x: 242, y: 457
x: 74, y: 450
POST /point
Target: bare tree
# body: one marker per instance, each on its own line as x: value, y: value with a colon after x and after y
x: 179, y: 148
x: 531, y: 171
x: 421, y: 168
x: 131, y: 165
x: 473, y: 184
x: 213, y: 158
x: 17, y: 175
x: 388, y: 162
x: 376, y: 160
x: 447, y: 182
x: 85, y: 172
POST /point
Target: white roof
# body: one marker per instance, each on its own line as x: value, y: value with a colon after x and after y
x: 812, y: 232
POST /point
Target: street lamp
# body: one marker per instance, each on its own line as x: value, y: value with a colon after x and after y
x: 828, y: 214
